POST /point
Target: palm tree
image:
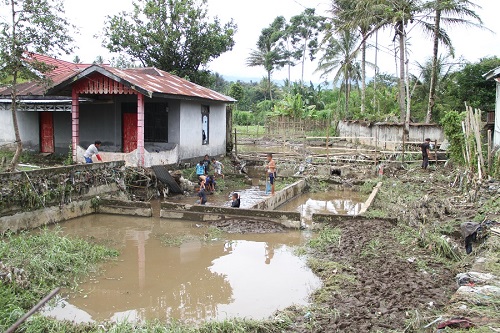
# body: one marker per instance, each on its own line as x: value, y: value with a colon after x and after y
x: 348, y: 14
x: 450, y: 12
x: 270, y: 53
x: 340, y: 56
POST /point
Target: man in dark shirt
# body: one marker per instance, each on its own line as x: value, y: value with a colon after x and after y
x: 206, y: 164
x: 425, y: 153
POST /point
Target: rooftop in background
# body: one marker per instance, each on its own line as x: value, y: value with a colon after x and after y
x: 148, y: 80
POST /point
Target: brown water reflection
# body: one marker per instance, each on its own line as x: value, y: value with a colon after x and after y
x: 333, y: 202
x: 243, y: 276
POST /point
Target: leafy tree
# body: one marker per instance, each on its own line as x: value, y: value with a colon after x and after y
x: 468, y: 85
x: 452, y: 127
x: 218, y: 83
x: 77, y: 60
x: 174, y: 35
x: 450, y: 13
x: 34, y: 26
x: 99, y: 60
x: 236, y: 91
x: 271, y: 52
x: 340, y: 56
x: 122, y: 62
x: 304, y: 30
x: 420, y: 92
x: 356, y: 15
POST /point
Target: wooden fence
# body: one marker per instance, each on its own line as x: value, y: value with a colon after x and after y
x: 326, y: 150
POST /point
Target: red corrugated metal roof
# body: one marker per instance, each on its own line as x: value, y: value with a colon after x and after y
x: 148, y: 80
x: 155, y: 80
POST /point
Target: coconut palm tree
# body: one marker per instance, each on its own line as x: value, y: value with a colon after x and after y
x: 356, y: 15
x: 340, y: 57
x: 271, y: 52
x: 449, y: 13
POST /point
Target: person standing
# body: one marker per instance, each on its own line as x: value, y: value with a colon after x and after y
x: 426, y: 146
x: 92, y: 150
x: 206, y: 164
x: 271, y: 171
x: 218, y: 166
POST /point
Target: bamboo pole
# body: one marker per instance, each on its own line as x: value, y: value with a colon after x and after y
x: 436, y: 152
x: 489, y: 152
x: 235, y: 142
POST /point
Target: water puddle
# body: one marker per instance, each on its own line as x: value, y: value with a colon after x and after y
x: 334, y: 202
x: 248, y: 275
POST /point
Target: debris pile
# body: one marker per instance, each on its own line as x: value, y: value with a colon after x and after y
x: 9, y: 275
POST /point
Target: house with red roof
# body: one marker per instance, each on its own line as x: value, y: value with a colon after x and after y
x: 144, y: 116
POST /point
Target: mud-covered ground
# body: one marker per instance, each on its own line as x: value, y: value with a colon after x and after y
x: 372, y: 283
x: 246, y: 225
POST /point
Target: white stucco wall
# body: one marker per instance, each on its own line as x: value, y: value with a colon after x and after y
x: 28, y: 128
x: 389, y: 135
x: 131, y: 159
x: 190, y: 130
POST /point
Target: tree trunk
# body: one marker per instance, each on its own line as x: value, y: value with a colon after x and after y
x: 401, y: 82
x: 363, y: 74
x: 269, y: 85
x: 304, y: 51
x: 434, y: 74
x: 375, y: 104
x: 346, y: 87
x: 19, y: 144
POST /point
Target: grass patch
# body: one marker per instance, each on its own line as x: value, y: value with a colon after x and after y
x: 334, y: 276
x: 372, y: 249
x: 251, y: 131
x: 327, y: 237
x: 28, y: 157
x: 489, y: 207
x: 376, y: 213
x: 213, y: 234
x: 279, y: 324
x: 176, y: 240
x: 50, y: 260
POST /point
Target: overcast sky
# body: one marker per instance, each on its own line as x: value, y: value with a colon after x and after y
x: 252, y: 16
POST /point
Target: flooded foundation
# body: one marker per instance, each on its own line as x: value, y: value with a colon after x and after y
x: 338, y: 202
x: 180, y: 270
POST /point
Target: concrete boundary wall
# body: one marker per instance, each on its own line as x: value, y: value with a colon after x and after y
x: 282, y: 196
x: 387, y: 135
x: 335, y: 218
x: 121, y: 207
x: 55, y: 214
x: 216, y: 213
x: 45, y: 216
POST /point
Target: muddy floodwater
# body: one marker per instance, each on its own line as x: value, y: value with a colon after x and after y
x: 248, y: 275
x: 344, y: 202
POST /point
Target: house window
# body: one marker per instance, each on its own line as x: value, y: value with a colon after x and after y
x: 205, y: 134
x: 156, y: 122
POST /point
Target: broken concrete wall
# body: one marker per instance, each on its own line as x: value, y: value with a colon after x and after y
x: 214, y: 213
x: 121, y: 207
x: 165, y: 155
x: 32, y: 190
x: 282, y: 196
x: 387, y: 135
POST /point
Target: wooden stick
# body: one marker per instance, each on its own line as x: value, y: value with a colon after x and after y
x: 489, y: 152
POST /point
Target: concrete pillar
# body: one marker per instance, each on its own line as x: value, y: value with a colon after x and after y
x: 75, y: 123
x: 140, y: 129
